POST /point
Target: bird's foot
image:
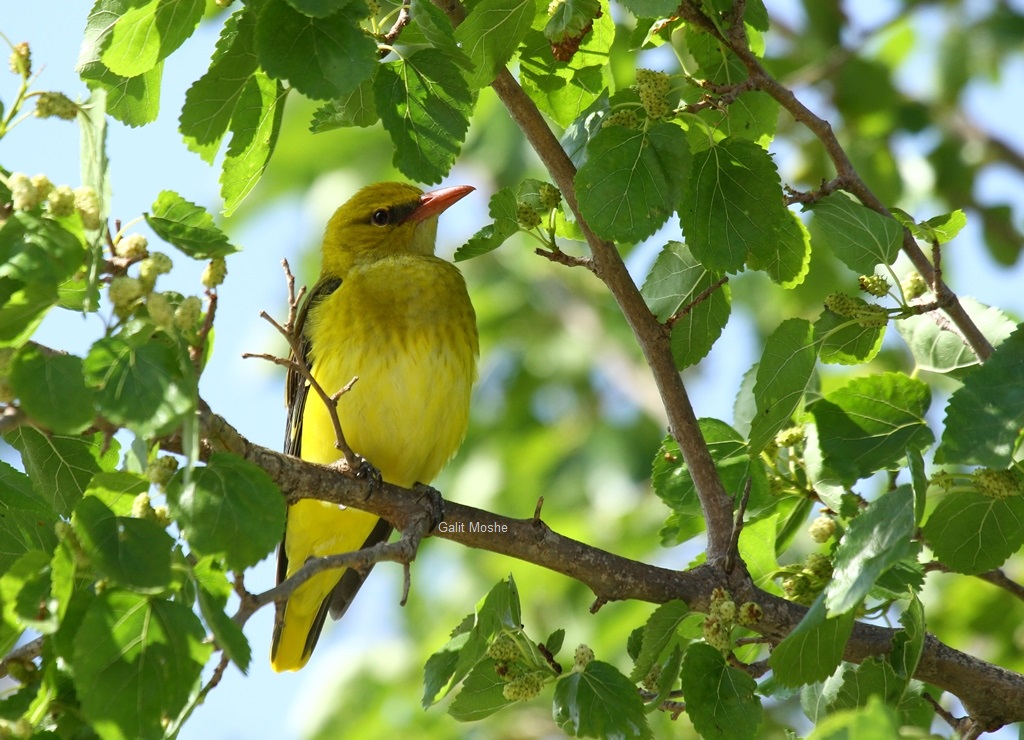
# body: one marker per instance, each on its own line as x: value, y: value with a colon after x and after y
x: 431, y: 498
x: 362, y: 469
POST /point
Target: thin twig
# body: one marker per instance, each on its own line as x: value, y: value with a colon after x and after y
x: 557, y: 255
x: 401, y: 22
x: 996, y: 577
x: 737, y: 528
x: 198, y: 350
x: 701, y: 297
x: 29, y: 651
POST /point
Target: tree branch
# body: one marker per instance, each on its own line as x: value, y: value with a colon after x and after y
x: 716, y: 503
x: 994, y: 696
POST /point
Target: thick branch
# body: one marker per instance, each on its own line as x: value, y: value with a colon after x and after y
x: 716, y: 503
x: 993, y: 695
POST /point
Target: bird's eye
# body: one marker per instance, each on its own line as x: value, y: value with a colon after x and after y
x: 381, y: 217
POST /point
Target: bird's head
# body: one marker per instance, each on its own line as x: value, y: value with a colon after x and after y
x: 382, y: 219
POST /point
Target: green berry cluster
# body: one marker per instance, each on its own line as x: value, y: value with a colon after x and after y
x: 550, y: 197
x: 790, y: 437
x: 20, y: 60
x: 56, y: 105
x: 653, y: 88
x: 876, y: 285
x: 914, y: 286
x: 524, y: 687
x: 720, y: 620
x: 804, y: 583
x: 133, y: 247
x: 867, y: 314
x: 650, y: 681
x: 60, y: 201
x: 583, y: 657
x: 998, y: 484
x: 527, y: 215
x: 214, y: 273
x: 625, y: 117
x: 749, y: 614
x: 503, y: 650
x: 822, y: 529
x: 160, y: 470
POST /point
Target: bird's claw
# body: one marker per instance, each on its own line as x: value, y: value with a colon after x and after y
x: 434, y: 503
x: 363, y: 469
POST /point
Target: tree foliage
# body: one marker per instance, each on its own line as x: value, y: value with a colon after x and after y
x: 859, y: 466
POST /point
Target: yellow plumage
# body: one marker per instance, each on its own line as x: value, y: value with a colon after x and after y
x: 387, y: 310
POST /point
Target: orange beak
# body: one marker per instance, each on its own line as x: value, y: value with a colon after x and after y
x: 437, y: 201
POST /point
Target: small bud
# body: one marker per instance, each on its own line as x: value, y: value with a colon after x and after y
x: 819, y: 566
x: 141, y: 507
x: 822, y: 528
x: 214, y: 273
x: 132, y: 247
x: 20, y: 60
x: 649, y: 79
x: 583, y: 657
x: 56, y: 105
x: 157, y: 263
x: 716, y: 634
x: 61, y: 201
x: 123, y: 291
x: 187, y: 314
x: 162, y: 516
x: 374, y: 7
x: 842, y: 304
x: 87, y: 203
x: 749, y: 614
x: 718, y: 595
x: 24, y: 194
x: 726, y: 611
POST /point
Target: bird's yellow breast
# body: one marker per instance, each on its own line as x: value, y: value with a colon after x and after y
x: 405, y: 326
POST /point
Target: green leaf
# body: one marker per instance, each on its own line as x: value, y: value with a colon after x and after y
x: 23, y: 528
x: 134, y: 101
x: 599, y: 702
x: 358, y: 108
x: 667, y: 680
x: 941, y: 229
x: 671, y: 478
x: 324, y: 58
x: 149, y: 32
x: 134, y: 553
x: 188, y: 226
x: 211, y: 101
x: 25, y: 594
x: 868, y: 424
x: 877, y: 538
x: 676, y: 280
x: 783, y: 375
x: 118, y: 490
x: 490, y: 35
x: 60, y: 467
x: 814, y: 649
x: 939, y: 350
x: 651, y: 8
x: 554, y: 641
x: 908, y: 643
x: 424, y: 104
x: 498, y: 611
x: 757, y: 548
x: 481, y: 695
x: 255, y: 127
x: 502, y: 209
x: 876, y: 719
x: 214, y: 589
x: 137, y: 660
x: 985, y: 418
x: 972, y: 533
x: 230, y: 508
x: 858, y: 236
x: 140, y: 384
x: 630, y: 183
x: 733, y: 209
x: 51, y: 389
x: 318, y: 8
x: 846, y: 341
x: 720, y: 699
x: 570, y: 18
x: 438, y: 31
x: 660, y: 633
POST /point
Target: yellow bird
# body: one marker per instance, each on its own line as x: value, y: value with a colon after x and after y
x: 387, y: 310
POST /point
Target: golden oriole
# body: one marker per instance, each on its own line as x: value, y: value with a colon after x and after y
x: 385, y: 310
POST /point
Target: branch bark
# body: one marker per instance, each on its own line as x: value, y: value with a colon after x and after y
x: 993, y: 695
